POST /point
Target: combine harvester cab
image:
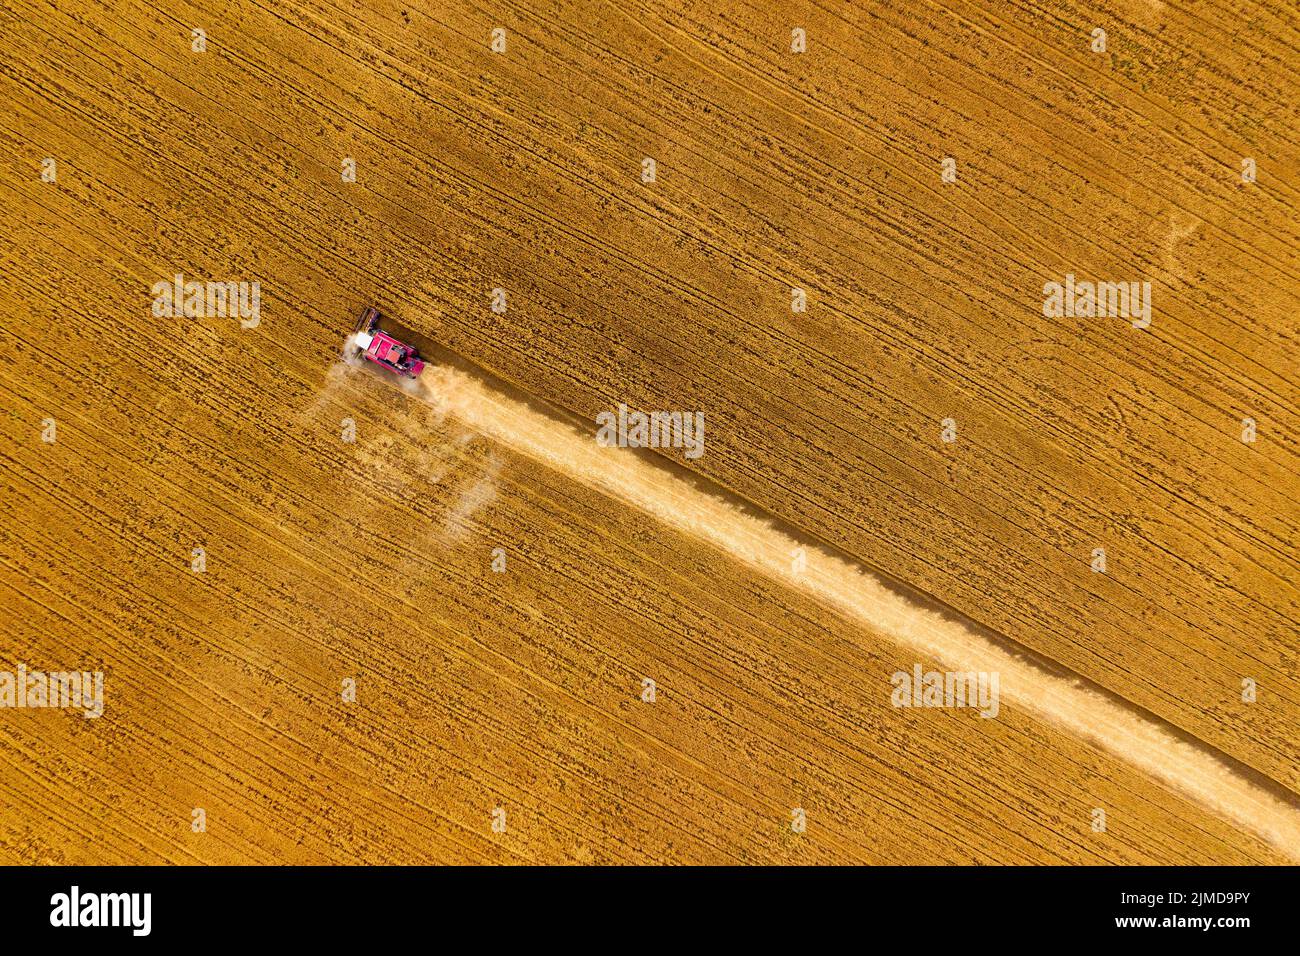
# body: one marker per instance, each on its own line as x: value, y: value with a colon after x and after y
x: 380, y: 347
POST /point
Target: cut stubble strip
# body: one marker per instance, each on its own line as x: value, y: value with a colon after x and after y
x: 1183, y: 764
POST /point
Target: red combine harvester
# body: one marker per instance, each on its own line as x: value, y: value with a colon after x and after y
x: 382, y: 349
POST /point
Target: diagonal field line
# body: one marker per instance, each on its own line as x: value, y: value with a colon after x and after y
x: 1185, y: 765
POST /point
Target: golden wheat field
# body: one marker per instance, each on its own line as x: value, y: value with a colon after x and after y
x: 343, y: 621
